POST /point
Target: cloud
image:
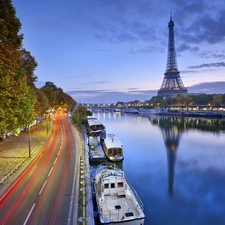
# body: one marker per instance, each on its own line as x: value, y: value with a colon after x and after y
x: 147, y: 50
x: 102, y: 50
x: 189, y: 71
x: 138, y: 21
x: 185, y: 47
x: 107, y: 96
x: 212, y: 54
x: 103, y: 82
x: 74, y: 77
x: 208, y: 88
x: 103, y: 96
x: 135, y: 21
x: 203, y: 24
x: 208, y: 65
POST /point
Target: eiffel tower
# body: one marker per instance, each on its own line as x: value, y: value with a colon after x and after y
x: 172, y: 84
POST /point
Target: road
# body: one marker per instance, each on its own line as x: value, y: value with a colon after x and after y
x: 45, y: 193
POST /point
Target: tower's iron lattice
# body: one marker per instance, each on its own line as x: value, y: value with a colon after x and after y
x: 172, y: 84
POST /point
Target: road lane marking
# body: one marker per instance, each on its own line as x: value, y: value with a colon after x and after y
x: 28, y: 216
x: 42, y: 187
x: 55, y: 160
x: 50, y: 171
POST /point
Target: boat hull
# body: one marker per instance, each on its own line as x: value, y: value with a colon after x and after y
x: 127, y: 222
x: 114, y: 158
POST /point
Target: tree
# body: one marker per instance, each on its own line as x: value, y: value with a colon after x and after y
x: 50, y: 94
x: 217, y: 99
x: 56, y: 96
x: 28, y: 65
x: 41, y: 106
x: 223, y: 99
x: 120, y: 104
x: 202, y: 99
x: 170, y: 101
x: 79, y: 115
x: 70, y: 102
x: 60, y: 97
x: 184, y: 100
x: 157, y: 101
x: 10, y: 26
x: 16, y: 105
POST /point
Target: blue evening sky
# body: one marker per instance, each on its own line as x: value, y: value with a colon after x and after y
x: 105, y: 51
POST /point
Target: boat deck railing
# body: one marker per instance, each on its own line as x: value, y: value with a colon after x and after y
x: 137, y: 197
x: 124, y: 210
x: 109, y: 166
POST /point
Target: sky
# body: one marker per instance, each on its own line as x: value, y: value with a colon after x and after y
x: 105, y: 51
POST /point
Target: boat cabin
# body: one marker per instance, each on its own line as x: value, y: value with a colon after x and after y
x: 113, y: 148
x: 113, y: 184
x: 95, y: 128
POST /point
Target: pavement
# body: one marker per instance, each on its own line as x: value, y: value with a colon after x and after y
x: 85, y: 190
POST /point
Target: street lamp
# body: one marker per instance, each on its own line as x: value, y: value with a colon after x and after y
x: 29, y: 141
x: 48, y: 123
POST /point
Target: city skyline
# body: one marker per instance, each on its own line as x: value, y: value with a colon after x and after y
x: 104, y: 51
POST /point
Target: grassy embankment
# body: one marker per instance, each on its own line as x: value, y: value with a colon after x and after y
x: 14, y: 150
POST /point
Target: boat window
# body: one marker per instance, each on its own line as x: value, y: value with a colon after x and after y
x: 119, y: 151
x: 106, y: 185
x: 110, y: 151
x: 120, y: 184
x: 128, y: 214
x: 117, y: 207
x: 112, y: 185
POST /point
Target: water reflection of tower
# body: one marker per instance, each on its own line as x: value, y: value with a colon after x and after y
x: 171, y: 128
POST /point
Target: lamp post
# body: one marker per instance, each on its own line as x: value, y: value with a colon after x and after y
x: 29, y: 141
x: 48, y: 123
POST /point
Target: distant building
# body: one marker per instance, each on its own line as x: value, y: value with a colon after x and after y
x: 172, y: 84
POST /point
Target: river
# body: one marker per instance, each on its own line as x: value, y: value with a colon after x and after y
x: 177, y: 166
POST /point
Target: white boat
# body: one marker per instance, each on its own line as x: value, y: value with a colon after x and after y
x: 113, y: 148
x: 95, y: 128
x: 117, y: 202
x: 117, y: 110
x: 130, y: 111
x: 148, y: 112
x: 96, y: 153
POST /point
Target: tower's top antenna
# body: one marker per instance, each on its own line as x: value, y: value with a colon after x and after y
x: 171, y: 23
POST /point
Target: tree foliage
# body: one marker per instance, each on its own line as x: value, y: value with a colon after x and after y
x: 217, y: 99
x: 28, y: 66
x: 188, y: 100
x: 157, y: 101
x: 21, y: 101
x: 50, y: 94
x: 80, y: 115
x: 56, y: 97
x: 184, y: 100
x: 16, y: 106
x: 41, y: 106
